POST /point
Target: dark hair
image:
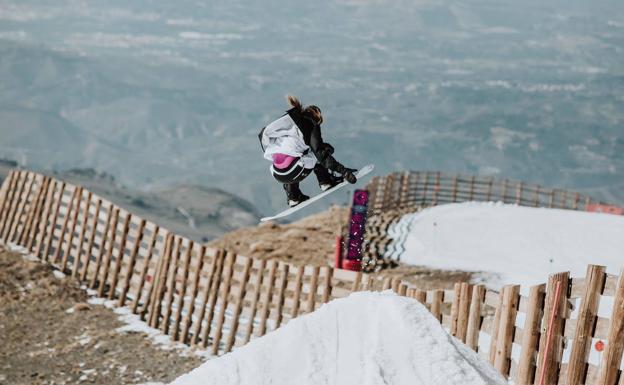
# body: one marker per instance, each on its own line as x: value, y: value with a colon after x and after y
x: 310, y: 111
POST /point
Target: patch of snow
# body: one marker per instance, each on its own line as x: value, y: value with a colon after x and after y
x: 58, y: 274
x: 133, y: 324
x: 510, y: 244
x: 83, y: 340
x: 96, y: 300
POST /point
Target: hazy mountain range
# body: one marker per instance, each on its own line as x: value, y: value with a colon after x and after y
x: 163, y: 94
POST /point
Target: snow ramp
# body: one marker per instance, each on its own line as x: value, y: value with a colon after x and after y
x: 366, y: 338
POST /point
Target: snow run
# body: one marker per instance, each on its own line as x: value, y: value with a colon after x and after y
x: 510, y: 244
x: 368, y: 338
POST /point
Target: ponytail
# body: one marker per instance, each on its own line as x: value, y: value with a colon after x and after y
x: 312, y: 112
x: 294, y: 102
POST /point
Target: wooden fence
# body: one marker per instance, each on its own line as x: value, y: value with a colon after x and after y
x: 218, y: 300
x: 410, y: 189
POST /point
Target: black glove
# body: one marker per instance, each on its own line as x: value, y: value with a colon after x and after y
x: 328, y: 148
x: 349, y: 175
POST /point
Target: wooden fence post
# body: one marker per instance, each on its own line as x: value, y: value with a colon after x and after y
x: 159, y: 282
x: 455, y: 308
x: 357, y: 282
x: 519, y: 193
x: 495, y: 327
x: 327, y: 287
x: 281, y: 292
x: 511, y: 297
x: 14, y: 197
x: 131, y: 264
x: 188, y: 318
x: 205, y: 294
x: 504, y: 192
x: 297, y: 294
x: 464, y: 307
x: 550, y: 351
x: 182, y: 293
x: 85, y: 266
x: 395, y: 282
x: 612, y: 356
x: 240, y: 299
x: 149, y: 304
x: 425, y: 188
x: 472, y: 186
x: 70, y: 241
x: 268, y: 298
x: 224, y: 302
x: 29, y: 179
x: 171, y: 277
x: 31, y: 234
x: 109, y: 252
x: 45, y: 218
x: 530, y: 336
x: 7, y: 197
x: 102, y: 247
x: 420, y: 296
x: 33, y: 211
x: 436, y: 304
x: 70, y: 206
x: 436, y: 189
x: 255, y: 299
x: 474, y: 317
x: 214, y: 294
x: 402, y: 289
x: 83, y: 231
x: 313, y: 288
x: 488, y: 196
x: 536, y: 200
x: 120, y: 256
x: 29, y: 201
x: 144, y: 269
x: 52, y: 225
x: 585, y: 323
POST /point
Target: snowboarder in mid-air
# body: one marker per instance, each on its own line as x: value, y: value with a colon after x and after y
x: 295, y: 146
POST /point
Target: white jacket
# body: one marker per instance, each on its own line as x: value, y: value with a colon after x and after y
x: 282, y: 136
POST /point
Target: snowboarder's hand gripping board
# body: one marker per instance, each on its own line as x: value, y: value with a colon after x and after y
x: 359, y: 174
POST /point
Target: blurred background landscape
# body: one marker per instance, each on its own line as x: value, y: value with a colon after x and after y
x: 161, y: 102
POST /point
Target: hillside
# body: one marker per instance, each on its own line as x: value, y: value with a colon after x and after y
x: 198, y: 212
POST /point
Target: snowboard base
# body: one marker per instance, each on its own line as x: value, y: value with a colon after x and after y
x: 359, y: 174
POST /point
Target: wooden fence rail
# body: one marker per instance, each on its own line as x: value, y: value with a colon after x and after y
x: 415, y: 189
x: 219, y: 300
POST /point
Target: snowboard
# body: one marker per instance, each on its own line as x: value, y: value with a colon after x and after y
x: 359, y: 174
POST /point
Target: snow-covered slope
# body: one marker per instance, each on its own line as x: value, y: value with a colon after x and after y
x: 366, y: 338
x: 509, y: 243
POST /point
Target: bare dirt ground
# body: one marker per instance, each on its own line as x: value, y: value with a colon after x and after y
x: 42, y: 343
x: 311, y: 241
